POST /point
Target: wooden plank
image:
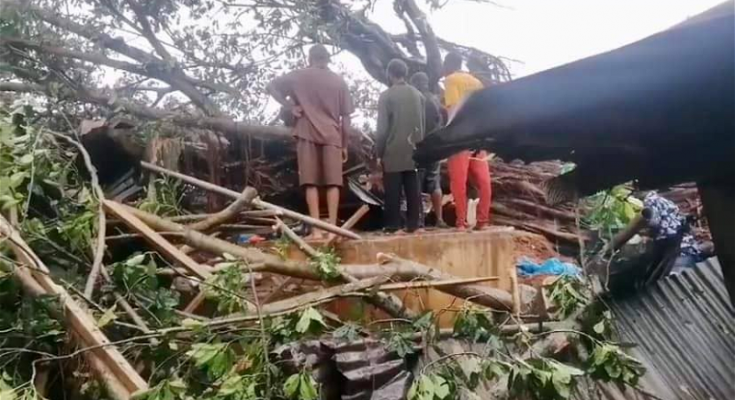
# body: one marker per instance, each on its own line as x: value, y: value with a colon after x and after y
x: 111, y: 362
x: 155, y: 239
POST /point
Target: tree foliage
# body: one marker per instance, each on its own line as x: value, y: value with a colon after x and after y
x: 174, y: 60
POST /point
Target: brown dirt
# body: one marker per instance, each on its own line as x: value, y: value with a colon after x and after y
x: 536, y: 247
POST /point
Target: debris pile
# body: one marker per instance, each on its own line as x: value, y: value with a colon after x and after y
x: 161, y: 304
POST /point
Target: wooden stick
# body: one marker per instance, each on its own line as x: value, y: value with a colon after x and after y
x: 354, y: 219
x: 388, y: 302
x: 433, y: 284
x: 231, y: 211
x: 113, y: 369
x: 480, y: 294
x: 99, y: 249
x: 310, y: 299
x: 305, y: 247
x: 196, y: 302
x: 134, y: 316
x: 256, y: 202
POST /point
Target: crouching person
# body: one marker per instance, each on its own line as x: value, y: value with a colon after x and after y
x: 400, y: 127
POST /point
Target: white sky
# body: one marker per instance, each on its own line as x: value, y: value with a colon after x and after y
x: 547, y: 33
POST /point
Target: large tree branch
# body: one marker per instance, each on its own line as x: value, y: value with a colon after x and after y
x: 20, y: 87
x: 95, y: 58
x: 164, y: 71
x: 147, y: 31
x: 431, y: 46
x: 220, y: 124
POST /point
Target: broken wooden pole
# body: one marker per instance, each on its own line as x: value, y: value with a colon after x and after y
x: 256, y: 202
x: 354, y: 219
x: 115, y: 372
x: 406, y: 270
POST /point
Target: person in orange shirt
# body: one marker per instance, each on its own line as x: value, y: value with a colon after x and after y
x: 466, y: 164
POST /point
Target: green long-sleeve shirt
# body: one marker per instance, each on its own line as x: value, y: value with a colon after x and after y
x: 400, y: 127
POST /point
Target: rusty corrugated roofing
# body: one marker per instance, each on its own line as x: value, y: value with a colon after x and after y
x: 684, y: 328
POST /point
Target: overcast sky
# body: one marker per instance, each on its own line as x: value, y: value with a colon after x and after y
x: 547, y: 33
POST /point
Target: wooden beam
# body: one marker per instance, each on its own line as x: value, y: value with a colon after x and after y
x: 113, y: 369
x: 154, y: 238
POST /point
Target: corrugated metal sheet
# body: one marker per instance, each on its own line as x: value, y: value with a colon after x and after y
x: 684, y: 328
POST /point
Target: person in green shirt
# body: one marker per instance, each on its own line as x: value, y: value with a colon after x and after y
x: 400, y: 127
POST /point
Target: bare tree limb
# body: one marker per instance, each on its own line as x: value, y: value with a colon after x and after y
x: 99, y: 250
x: 160, y: 68
x: 431, y: 45
x: 148, y: 31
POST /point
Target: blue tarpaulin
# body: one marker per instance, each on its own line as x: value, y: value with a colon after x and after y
x: 552, y: 266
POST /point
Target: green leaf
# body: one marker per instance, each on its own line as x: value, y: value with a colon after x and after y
x: 107, y: 317
x: 426, y: 387
x: 441, y: 387
x: 307, y: 388
x: 135, y: 260
x: 309, y: 316
x: 216, y: 358
x: 424, y: 322
x: 599, y: 355
x: 191, y: 323
x: 562, y: 388
x: 17, y: 178
x: 291, y: 387
x: 412, y: 391
x: 26, y: 160
x: 567, y: 369
x: 348, y: 332
x: 613, y: 370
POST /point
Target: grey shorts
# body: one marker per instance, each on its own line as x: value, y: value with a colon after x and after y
x: 319, y: 165
x: 430, y: 178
